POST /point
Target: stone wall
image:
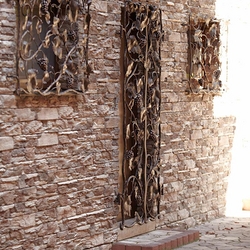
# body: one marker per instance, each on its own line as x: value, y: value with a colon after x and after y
x: 195, y: 145
x: 59, y: 161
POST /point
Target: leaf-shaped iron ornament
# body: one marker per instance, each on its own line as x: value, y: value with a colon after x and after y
x: 142, y: 27
x: 50, y: 44
x: 204, y: 46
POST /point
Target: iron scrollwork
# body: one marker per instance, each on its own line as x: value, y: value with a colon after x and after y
x: 142, y: 36
x: 53, y: 46
x: 204, y: 48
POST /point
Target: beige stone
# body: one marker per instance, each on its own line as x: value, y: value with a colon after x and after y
x: 112, y: 122
x: 47, y: 140
x: 6, y: 143
x: 196, y: 134
x: 47, y: 114
x: 65, y: 212
x: 7, y: 101
x: 28, y: 220
x: 25, y: 114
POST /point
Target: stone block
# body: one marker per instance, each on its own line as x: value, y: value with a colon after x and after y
x: 190, y: 222
x: 8, y: 197
x: 183, y: 214
x: 4, y: 91
x: 196, y: 134
x: 7, y: 101
x: 6, y: 143
x: 112, y: 122
x: 28, y: 220
x: 213, y: 141
x: 33, y: 127
x: 66, y: 112
x: 189, y: 164
x: 25, y: 114
x: 65, y: 212
x: 14, y: 130
x: 100, y: 6
x: 47, y: 139
x: 47, y: 114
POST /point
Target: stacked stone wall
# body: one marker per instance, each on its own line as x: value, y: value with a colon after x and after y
x: 196, y: 146
x: 59, y: 155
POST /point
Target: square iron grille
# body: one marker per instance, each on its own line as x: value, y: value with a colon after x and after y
x: 204, y: 68
x: 53, y: 46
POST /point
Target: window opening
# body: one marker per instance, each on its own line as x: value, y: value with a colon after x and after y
x: 53, y: 46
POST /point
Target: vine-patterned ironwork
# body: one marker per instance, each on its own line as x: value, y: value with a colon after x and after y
x: 204, y: 48
x: 53, y: 46
x: 142, y: 36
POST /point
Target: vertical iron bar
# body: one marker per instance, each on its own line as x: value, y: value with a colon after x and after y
x: 18, y: 9
x: 124, y: 112
x: 159, y: 127
x: 145, y: 123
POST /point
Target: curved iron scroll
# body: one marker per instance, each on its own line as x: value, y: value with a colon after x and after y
x: 204, y: 47
x: 142, y: 35
x: 53, y: 46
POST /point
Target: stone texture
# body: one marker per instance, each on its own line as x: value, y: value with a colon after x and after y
x: 47, y: 114
x: 25, y: 114
x: 47, y: 140
x: 7, y: 101
x: 59, y: 155
x: 6, y: 143
x: 223, y: 233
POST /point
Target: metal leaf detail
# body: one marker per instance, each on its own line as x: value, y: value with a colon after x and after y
x: 204, y: 63
x: 50, y: 44
x: 142, y: 29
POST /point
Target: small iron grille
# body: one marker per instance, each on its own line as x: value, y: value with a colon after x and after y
x: 204, y: 48
x: 53, y: 46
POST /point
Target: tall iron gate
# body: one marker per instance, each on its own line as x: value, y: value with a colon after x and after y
x: 142, y: 36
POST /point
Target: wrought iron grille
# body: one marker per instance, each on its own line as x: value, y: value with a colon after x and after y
x: 142, y: 35
x: 204, y: 47
x: 53, y: 46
